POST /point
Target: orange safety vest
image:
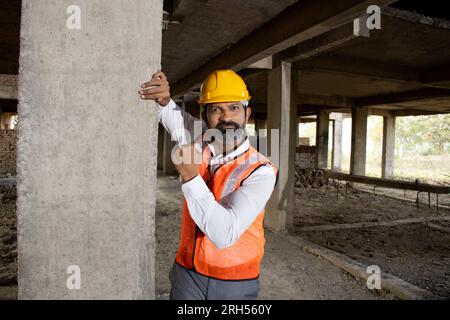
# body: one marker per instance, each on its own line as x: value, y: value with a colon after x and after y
x: 240, y: 261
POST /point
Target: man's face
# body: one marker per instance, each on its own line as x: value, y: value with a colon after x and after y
x: 227, y: 115
x: 229, y: 118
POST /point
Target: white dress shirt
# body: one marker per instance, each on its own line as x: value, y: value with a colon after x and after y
x: 222, y: 223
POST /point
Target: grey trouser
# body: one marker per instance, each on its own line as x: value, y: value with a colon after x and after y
x: 189, y: 285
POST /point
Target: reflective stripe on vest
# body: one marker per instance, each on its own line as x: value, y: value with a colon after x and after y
x: 234, y: 176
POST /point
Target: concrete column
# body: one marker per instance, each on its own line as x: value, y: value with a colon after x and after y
x: 337, y: 142
x: 261, y: 136
x: 167, y: 164
x: 359, y: 138
x: 282, y: 116
x: 322, y: 131
x: 86, y: 175
x: 388, y: 156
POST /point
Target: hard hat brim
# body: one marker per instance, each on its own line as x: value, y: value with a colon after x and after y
x: 223, y: 99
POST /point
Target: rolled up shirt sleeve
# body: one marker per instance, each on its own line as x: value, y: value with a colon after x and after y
x: 225, y: 221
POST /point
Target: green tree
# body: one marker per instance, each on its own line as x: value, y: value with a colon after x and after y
x: 425, y: 135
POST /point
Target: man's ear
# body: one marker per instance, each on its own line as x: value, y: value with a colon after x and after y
x: 203, y: 115
x: 249, y: 112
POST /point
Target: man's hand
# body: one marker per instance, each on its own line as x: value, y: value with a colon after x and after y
x: 187, y: 159
x: 157, y: 89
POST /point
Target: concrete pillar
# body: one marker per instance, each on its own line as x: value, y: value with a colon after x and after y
x: 388, y: 156
x: 167, y: 164
x: 261, y: 133
x: 86, y: 175
x: 337, y: 142
x: 282, y: 116
x: 322, y: 131
x: 359, y: 139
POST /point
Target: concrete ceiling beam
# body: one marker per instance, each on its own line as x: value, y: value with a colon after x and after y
x: 320, y: 100
x: 308, y: 109
x: 409, y: 96
x: 416, y: 112
x: 439, y: 75
x: 380, y: 112
x: 360, y: 68
x: 312, y: 17
x: 265, y: 63
x: 317, y: 45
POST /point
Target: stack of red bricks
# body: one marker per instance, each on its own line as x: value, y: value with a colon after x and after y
x: 7, y: 151
x: 8, y: 80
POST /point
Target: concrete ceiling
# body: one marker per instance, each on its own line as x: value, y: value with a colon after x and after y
x: 209, y: 27
x: 399, y: 45
x: 391, y: 61
x: 404, y: 43
x: 433, y: 8
x: 353, y: 86
x: 9, y: 36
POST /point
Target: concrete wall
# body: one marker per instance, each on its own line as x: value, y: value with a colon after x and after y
x: 7, y: 151
x: 86, y: 175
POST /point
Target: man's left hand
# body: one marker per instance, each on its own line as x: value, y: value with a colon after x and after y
x: 187, y: 159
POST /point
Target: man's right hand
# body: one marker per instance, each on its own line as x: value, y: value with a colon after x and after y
x: 157, y: 89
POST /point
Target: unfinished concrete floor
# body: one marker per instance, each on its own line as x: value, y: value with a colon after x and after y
x: 414, y: 252
x: 287, y: 272
x: 8, y: 239
x: 411, y: 244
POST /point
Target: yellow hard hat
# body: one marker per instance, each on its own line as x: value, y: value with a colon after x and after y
x: 223, y: 86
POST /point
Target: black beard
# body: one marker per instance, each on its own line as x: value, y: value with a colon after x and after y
x: 230, y: 136
x: 220, y: 126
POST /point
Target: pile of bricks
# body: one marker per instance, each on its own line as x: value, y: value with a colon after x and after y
x: 310, y: 178
x: 7, y: 152
x: 8, y: 80
x: 306, y: 157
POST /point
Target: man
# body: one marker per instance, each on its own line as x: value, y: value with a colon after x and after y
x: 222, y: 236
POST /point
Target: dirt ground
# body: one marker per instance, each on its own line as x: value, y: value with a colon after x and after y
x: 322, y: 206
x: 413, y: 252
x: 424, y: 200
x: 8, y: 240
x: 286, y: 271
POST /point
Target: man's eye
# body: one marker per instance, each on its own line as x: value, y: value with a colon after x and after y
x: 235, y: 108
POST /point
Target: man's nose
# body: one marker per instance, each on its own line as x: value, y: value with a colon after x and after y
x: 226, y: 116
